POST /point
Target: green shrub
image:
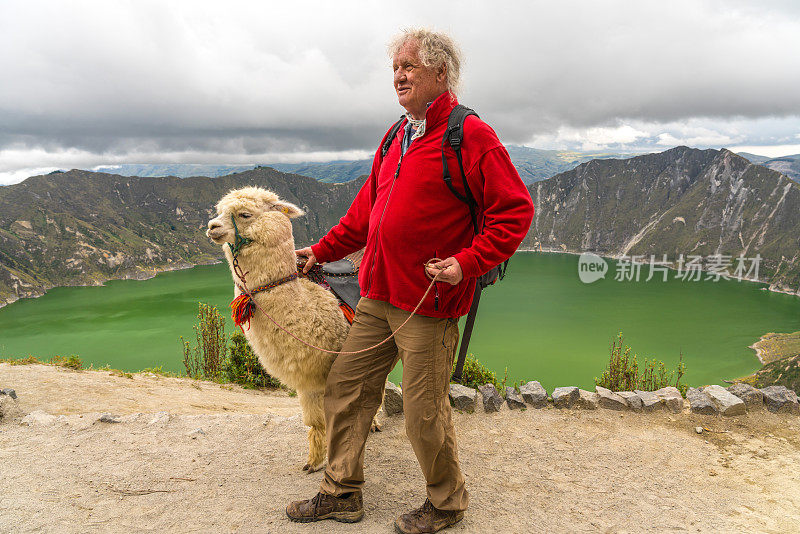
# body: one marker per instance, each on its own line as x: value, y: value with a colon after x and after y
x: 242, y: 366
x: 476, y: 374
x: 70, y: 362
x: 624, y: 373
x: 206, y: 358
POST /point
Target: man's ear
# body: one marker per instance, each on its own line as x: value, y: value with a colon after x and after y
x: 287, y: 208
x: 441, y: 72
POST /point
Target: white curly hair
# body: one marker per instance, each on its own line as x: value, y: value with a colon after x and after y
x: 435, y: 48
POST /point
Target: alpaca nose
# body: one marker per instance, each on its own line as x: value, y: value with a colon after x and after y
x: 213, y: 223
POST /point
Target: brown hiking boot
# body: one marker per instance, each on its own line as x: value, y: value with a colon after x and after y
x: 348, y: 509
x: 427, y: 519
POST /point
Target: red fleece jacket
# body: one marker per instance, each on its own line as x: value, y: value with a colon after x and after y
x: 404, y: 215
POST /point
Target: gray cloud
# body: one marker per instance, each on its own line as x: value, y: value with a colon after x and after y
x: 113, y: 80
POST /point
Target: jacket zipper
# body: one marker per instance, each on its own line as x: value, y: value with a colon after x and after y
x: 378, y: 229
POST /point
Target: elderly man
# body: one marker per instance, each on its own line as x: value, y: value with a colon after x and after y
x: 405, y: 215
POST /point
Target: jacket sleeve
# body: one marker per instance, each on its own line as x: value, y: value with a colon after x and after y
x: 507, y: 213
x: 350, y: 234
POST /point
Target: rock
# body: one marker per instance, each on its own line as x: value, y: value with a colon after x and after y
x: 752, y: 397
x: 587, y: 400
x: 780, y: 399
x: 698, y: 429
x: 492, y: 401
x: 463, y: 398
x: 10, y: 392
x: 196, y: 432
x: 534, y: 394
x: 514, y: 399
x: 159, y: 418
x: 9, y: 408
x: 672, y: 398
x: 610, y: 400
x: 108, y: 418
x: 727, y: 403
x: 565, y: 397
x: 650, y: 401
x: 38, y: 417
x: 700, y: 403
x: 634, y: 401
x: 393, y: 399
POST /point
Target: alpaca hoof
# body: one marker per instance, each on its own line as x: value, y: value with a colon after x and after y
x: 376, y: 427
x: 308, y: 468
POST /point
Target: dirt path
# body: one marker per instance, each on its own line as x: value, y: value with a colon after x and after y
x: 531, y: 471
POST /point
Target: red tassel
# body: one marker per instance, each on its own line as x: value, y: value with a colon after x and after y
x: 348, y: 312
x: 242, y: 309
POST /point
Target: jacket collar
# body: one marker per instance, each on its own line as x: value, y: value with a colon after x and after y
x: 440, y: 109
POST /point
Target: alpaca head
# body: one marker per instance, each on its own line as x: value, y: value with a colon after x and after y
x: 259, y: 214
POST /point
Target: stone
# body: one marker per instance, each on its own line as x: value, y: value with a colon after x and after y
x: 108, y: 418
x: 634, y: 401
x: 700, y: 403
x: 9, y: 408
x: 727, y: 403
x: 393, y: 399
x: 196, y: 432
x: 534, y: 394
x: 672, y: 398
x: 514, y: 399
x: 463, y: 398
x: 565, y: 397
x: 698, y: 429
x: 650, y: 401
x: 492, y: 401
x: 10, y: 392
x: 610, y: 400
x: 752, y: 397
x: 38, y: 417
x: 587, y: 400
x: 780, y: 399
x: 159, y: 418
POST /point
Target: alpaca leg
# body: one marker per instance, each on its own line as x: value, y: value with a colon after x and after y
x: 376, y: 425
x: 314, y: 417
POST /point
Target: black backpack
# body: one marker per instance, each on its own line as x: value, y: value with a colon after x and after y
x: 453, y: 135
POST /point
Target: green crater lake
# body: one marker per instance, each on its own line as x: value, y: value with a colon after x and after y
x: 541, y: 322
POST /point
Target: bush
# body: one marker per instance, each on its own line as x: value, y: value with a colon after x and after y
x: 476, y: 374
x: 624, y: 374
x: 205, y: 359
x: 70, y: 362
x: 242, y: 366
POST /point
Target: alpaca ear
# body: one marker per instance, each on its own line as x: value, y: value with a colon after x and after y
x: 287, y: 208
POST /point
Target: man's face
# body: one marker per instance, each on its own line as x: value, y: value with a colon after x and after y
x: 416, y: 84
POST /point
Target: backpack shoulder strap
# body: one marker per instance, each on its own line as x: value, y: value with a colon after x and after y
x: 454, y: 135
x: 390, y: 137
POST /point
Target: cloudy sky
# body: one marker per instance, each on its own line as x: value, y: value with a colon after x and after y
x: 85, y: 83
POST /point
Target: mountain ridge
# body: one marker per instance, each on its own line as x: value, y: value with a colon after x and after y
x: 681, y: 201
x: 82, y: 228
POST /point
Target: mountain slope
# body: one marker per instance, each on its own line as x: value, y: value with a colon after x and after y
x: 81, y: 227
x: 682, y: 201
x: 788, y: 165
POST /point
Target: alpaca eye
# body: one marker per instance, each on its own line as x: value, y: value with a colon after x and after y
x: 245, y: 215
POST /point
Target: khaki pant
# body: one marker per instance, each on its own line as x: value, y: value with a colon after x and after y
x: 354, y: 391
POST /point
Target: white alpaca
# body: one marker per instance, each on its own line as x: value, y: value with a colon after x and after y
x: 306, y: 309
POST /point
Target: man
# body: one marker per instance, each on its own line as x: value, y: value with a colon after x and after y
x: 404, y: 216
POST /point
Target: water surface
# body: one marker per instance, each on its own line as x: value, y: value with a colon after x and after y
x: 541, y: 322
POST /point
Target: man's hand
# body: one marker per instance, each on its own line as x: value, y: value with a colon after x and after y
x: 448, y: 270
x: 308, y: 253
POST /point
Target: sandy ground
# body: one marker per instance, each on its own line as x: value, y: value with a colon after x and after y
x: 527, y: 471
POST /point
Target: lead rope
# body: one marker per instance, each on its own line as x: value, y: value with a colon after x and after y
x: 434, y: 279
